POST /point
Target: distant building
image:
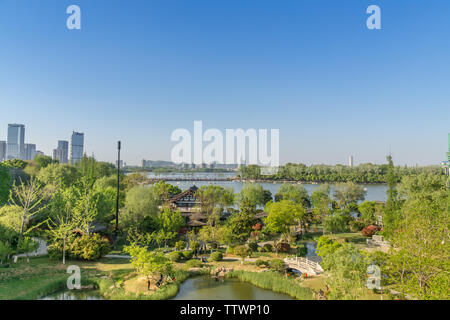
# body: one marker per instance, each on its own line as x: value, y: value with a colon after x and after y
x: 40, y: 153
x: 3, y: 145
x: 76, y: 147
x: 30, y: 151
x: 61, y: 154
x: 122, y: 164
x: 16, y: 142
x: 350, y: 161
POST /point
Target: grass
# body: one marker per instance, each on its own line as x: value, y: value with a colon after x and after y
x: 43, y: 276
x: 275, y: 282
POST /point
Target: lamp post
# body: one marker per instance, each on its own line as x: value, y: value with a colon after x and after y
x: 118, y: 188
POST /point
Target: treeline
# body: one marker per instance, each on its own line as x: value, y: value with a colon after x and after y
x: 364, y: 173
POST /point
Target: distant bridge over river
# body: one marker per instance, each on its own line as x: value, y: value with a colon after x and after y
x: 304, y: 265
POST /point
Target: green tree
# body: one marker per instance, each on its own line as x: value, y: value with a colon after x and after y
x: 347, y: 274
x: 348, y: 193
x: 141, y: 206
x: 42, y: 161
x: 238, y: 228
x: 58, y: 175
x: 282, y: 215
x: 5, y: 184
x: 422, y: 237
x: 29, y: 198
x: 213, y: 199
x: 149, y: 264
x: 321, y: 202
x: 295, y: 193
x: 253, y: 195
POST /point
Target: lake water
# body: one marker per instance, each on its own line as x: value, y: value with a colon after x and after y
x: 374, y: 191
x: 208, y: 288
x: 198, y: 288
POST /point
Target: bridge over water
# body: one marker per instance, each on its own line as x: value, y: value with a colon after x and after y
x: 304, y: 265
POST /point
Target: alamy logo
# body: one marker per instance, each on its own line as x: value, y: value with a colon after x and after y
x: 233, y: 150
x: 74, y: 20
x: 374, y: 20
x: 74, y: 280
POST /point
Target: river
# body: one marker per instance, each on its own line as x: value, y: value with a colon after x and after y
x: 374, y: 191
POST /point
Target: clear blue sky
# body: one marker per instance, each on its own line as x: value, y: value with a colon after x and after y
x: 137, y: 70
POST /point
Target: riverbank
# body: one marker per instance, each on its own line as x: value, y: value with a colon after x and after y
x: 275, y: 282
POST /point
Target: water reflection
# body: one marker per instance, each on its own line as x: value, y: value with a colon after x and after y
x: 207, y: 288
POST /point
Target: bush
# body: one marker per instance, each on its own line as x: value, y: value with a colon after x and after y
x: 369, y: 231
x: 216, y: 256
x: 81, y: 248
x: 180, y: 245
x: 194, y: 263
x: 302, y: 251
x: 277, y: 265
x: 187, y: 255
x: 253, y: 246
x: 262, y: 263
x: 175, y: 256
x: 268, y: 247
x: 230, y: 250
x: 283, y: 247
x: 356, y: 225
x: 194, y: 245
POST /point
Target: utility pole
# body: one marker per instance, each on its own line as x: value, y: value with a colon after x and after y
x: 118, y: 188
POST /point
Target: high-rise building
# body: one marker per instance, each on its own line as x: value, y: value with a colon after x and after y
x: 16, y: 142
x: 350, y: 161
x: 76, y: 147
x: 2, y: 151
x: 30, y: 151
x: 62, y: 152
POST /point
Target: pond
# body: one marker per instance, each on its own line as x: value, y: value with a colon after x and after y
x: 208, y: 288
x: 198, y: 288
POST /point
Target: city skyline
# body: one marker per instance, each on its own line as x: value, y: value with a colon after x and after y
x: 331, y: 86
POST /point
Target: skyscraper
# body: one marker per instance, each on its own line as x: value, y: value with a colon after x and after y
x: 2, y: 151
x: 29, y: 151
x: 76, y: 147
x: 62, y: 152
x: 350, y: 161
x: 16, y: 142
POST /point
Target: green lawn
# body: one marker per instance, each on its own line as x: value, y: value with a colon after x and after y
x: 28, y: 281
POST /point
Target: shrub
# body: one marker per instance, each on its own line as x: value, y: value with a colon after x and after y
x: 194, y: 263
x: 216, y: 256
x: 262, y: 263
x: 268, y: 247
x: 194, y: 245
x: 82, y: 248
x: 369, y: 231
x: 277, y: 265
x: 187, y: 254
x: 175, y: 256
x: 302, y: 251
x: 283, y: 247
x: 230, y: 250
x: 356, y: 225
x: 180, y: 245
x: 253, y: 246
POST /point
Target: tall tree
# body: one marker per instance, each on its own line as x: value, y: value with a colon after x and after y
x: 29, y: 197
